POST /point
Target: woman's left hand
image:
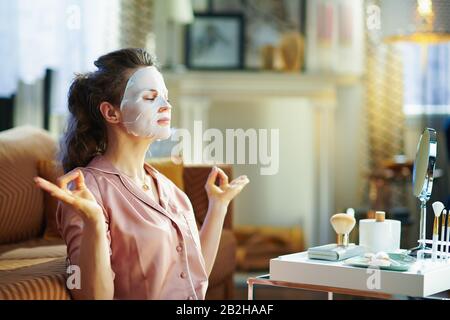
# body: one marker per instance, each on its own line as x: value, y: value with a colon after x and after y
x: 224, y: 192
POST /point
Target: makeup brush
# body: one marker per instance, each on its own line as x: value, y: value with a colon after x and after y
x: 438, y: 207
x: 442, y: 247
x: 342, y: 223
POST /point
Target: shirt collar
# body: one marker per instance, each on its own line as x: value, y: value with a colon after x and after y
x: 100, y: 163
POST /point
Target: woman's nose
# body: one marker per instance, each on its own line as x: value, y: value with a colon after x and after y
x: 164, y: 108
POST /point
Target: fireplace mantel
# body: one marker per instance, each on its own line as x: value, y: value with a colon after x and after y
x: 245, y: 84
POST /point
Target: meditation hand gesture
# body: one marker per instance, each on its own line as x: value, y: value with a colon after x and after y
x: 79, y: 198
x: 224, y: 192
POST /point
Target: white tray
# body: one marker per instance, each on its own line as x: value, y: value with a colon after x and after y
x: 423, y: 279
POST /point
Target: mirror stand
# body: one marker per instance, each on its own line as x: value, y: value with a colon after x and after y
x: 423, y: 223
x: 423, y: 229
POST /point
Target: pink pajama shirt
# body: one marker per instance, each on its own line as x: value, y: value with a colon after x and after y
x: 155, y: 247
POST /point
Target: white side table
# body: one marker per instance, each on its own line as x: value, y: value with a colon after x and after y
x: 297, y: 271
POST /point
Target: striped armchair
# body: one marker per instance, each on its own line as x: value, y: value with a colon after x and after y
x: 32, y: 257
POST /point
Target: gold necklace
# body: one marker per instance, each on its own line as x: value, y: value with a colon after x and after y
x: 145, y: 186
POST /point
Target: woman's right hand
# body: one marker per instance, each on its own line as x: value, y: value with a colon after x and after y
x: 80, y: 198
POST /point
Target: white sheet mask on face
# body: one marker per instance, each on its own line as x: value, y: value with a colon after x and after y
x: 140, y: 115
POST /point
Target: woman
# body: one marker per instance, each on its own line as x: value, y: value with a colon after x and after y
x: 129, y: 229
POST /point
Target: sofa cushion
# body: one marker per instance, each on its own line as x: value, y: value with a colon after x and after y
x: 195, y: 177
x: 50, y: 170
x: 13, y: 264
x: 32, y: 252
x: 33, y: 249
x: 34, y: 269
x: 43, y: 281
x: 21, y: 203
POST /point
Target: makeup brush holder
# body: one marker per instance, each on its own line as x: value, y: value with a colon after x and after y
x: 443, y: 251
x: 439, y: 251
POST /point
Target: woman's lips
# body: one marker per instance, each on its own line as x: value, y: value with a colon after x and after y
x: 164, y: 121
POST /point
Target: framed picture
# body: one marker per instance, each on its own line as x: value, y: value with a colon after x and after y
x: 215, y: 42
x: 265, y: 23
x: 201, y: 6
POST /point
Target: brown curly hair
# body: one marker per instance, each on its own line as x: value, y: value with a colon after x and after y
x: 86, y: 136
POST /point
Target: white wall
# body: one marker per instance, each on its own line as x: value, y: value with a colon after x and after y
x: 284, y: 199
x: 351, y: 133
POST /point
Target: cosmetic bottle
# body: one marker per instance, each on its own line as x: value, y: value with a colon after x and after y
x: 379, y: 234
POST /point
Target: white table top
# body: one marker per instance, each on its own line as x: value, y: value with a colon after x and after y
x: 423, y: 279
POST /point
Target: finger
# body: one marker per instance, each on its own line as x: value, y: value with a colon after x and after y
x: 63, y: 196
x: 214, y: 189
x: 235, y: 190
x: 54, y: 190
x: 64, y: 180
x: 238, y: 185
x: 80, y: 180
x: 242, y: 179
x: 241, y: 183
x: 212, y: 177
x: 223, y: 177
x: 45, y: 185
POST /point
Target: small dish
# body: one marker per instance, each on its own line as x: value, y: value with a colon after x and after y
x: 398, y: 262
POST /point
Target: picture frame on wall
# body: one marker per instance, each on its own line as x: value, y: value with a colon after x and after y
x: 215, y: 42
x: 266, y: 21
x: 202, y: 6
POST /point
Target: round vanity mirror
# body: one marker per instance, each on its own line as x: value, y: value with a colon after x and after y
x: 424, y: 165
x: 423, y: 176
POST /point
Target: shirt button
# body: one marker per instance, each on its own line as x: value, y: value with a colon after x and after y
x: 179, y: 248
x: 183, y: 275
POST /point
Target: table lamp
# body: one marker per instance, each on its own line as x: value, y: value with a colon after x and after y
x: 418, y: 21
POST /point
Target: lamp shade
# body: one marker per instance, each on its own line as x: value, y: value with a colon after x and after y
x: 426, y: 21
x: 180, y: 11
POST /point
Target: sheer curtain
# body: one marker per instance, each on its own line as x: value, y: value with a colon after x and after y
x: 427, y: 78
x: 63, y: 35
